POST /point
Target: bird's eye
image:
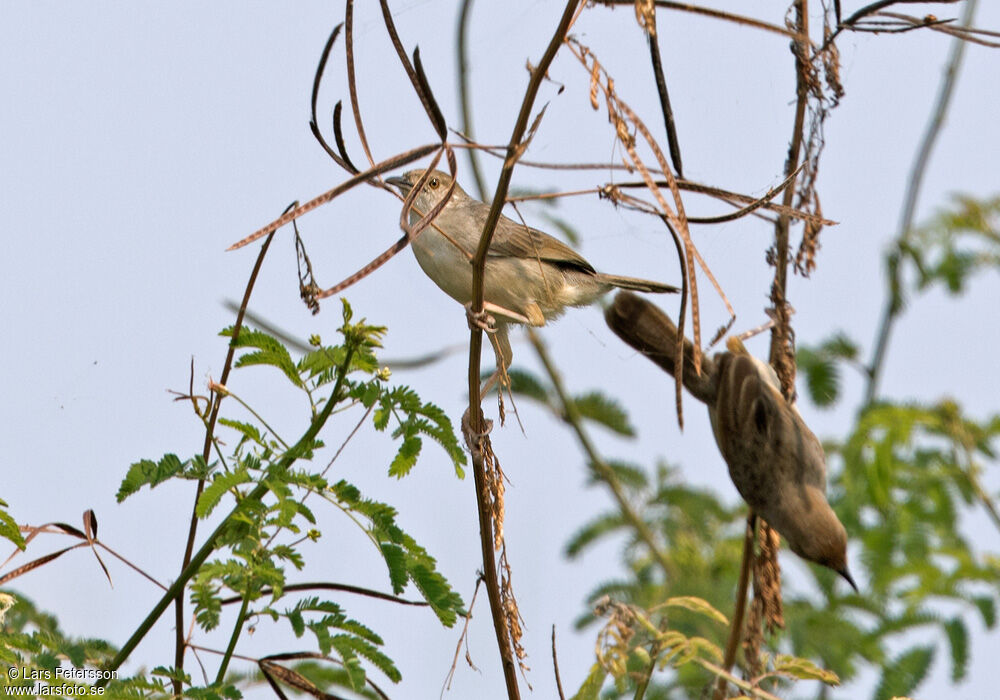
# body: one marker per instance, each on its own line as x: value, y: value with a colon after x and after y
x: 434, y: 183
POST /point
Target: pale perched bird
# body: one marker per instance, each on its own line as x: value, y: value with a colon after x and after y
x: 775, y: 461
x: 530, y: 277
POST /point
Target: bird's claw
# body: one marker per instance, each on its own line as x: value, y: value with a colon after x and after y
x: 473, y: 439
x: 480, y: 319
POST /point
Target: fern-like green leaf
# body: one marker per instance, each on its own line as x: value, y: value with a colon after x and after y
x: 269, y: 351
x: 395, y: 559
x: 406, y: 457
x: 592, y: 684
x: 247, y: 430
x: 698, y: 605
x: 987, y: 609
x: 361, y: 647
x: 840, y: 346
x: 803, y: 669
x: 148, y: 472
x: 903, y: 674
x: 605, y: 411
x: 593, y: 531
x: 220, y: 485
x: 8, y: 527
x: 822, y: 376
x: 524, y: 383
x: 348, y: 655
x: 435, y: 589
x: 958, y: 641
x: 207, y: 604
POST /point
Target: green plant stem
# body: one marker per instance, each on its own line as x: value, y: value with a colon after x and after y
x: 600, y: 467
x: 643, y: 683
x: 237, y: 630
x: 263, y: 422
x: 188, y: 572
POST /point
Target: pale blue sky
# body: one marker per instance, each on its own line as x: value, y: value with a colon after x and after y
x: 141, y: 140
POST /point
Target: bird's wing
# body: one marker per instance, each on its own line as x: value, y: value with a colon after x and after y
x: 514, y: 239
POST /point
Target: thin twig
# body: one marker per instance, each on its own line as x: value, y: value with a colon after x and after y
x: 386, y: 165
x: 555, y: 666
x: 129, y: 564
x: 735, y: 631
x: 874, y: 7
x: 463, y: 94
x: 738, y: 682
x: 661, y: 89
x: 597, y: 463
x: 780, y: 331
x: 417, y: 79
x: 711, y: 12
x: 476, y: 344
x: 325, y: 586
x: 341, y: 158
x: 464, y: 637
x: 750, y: 204
x: 893, y: 304
x: 179, y: 642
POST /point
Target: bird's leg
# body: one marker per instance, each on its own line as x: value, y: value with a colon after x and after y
x: 772, y: 316
x: 488, y: 324
x: 504, y: 354
x: 485, y: 320
x: 497, y: 333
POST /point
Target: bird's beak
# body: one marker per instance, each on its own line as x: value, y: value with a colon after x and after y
x: 401, y: 182
x: 850, y: 579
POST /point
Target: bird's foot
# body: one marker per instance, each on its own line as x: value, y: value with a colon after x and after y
x: 474, y: 439
x: 482, y: 320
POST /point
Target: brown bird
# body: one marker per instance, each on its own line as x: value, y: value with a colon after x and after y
x: 530, y: 277
x: 775, y: 461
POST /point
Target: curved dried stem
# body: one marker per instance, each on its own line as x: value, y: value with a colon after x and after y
x: 352, y: 83
x: 661, y: 90
x: 328, y: 196
x: 715, y: 14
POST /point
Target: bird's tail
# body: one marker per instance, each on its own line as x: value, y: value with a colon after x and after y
x: 638, y: 285
x: 646, y: 328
